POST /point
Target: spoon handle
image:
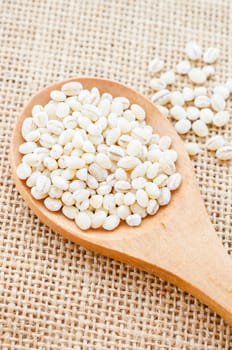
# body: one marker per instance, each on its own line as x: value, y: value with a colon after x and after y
x: 209, y: 276
x: 193, y: 260
x: 215, y: 277
x: 198, y: 263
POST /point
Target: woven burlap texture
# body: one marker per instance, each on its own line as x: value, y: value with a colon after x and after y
x: 53, y: 293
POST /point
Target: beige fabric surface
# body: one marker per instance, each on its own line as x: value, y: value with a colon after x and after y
x: 53, y: 293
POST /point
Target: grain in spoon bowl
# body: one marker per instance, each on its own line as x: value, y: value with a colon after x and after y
x: 94, y: 157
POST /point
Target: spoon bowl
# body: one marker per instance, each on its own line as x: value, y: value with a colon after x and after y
x: 178, y: 244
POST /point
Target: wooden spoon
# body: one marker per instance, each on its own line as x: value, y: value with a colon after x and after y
x: 178, y: 244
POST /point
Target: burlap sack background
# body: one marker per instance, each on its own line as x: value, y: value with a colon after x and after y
x: 55, y: 294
